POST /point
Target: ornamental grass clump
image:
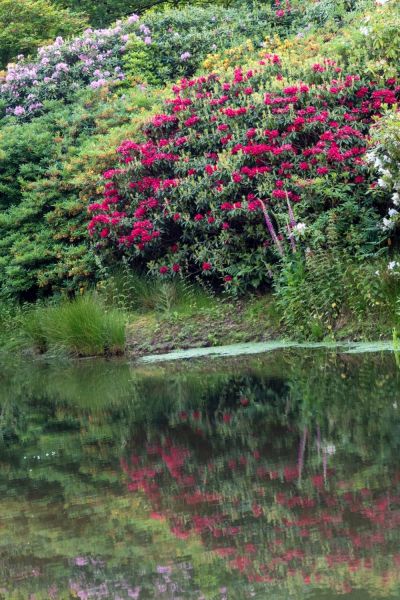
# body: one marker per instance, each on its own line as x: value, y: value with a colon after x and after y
x: 237, y: 173
x: 81, y: 327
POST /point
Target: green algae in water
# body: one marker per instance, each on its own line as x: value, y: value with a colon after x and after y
x: 262, y: 347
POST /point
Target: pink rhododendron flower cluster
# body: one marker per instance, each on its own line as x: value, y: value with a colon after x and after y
x: 231, y: 167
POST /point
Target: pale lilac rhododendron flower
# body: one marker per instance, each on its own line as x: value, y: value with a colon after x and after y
x: 144, y: 29
x: 92, y: 59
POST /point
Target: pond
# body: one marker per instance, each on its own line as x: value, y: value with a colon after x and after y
x: 268, y: 476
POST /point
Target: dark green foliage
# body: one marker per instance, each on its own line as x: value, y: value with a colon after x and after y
x: 325, y: 291
x: 105, y: 12
x: 27, y: 24
x: 182, y: 38
x: 49, y: 170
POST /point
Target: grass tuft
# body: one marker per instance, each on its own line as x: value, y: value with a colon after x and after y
x: 83, y: 326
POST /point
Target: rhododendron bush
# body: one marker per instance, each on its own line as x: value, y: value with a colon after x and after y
x: 181, y: 39
x: 155, y: 49
x: 63, y: 68
x: 385, y: 157
x: 235, y: 174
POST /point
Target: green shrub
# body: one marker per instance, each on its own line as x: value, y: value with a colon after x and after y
x: 363, y: 39
x: 181, y: 39
x: 385, y: 157
x: 396, y: 345
x: 27, y: 24
x: 105, y: 12
x: 370, y: 43
x: 82, y: 326
x: 49, y: 170
x: 320, y: 293
x: 332, y: 12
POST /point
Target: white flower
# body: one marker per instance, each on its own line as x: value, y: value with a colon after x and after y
x: 393, y: 265
x: 396, y: 199
x: 377, y: 273
x: 330, y: 448
x: 381, y: 2
x: 365, y: 30
x: 393, y: 212
x: 370, y: 157
x: 300, y: 228
x: 382, y: 183
x: 387, y: 224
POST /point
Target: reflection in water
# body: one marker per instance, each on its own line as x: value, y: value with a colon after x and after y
x: 274, y: 476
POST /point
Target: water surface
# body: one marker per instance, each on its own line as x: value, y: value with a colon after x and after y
x: 270, y: 476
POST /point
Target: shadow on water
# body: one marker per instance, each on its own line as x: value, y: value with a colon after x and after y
x: 268, y: 476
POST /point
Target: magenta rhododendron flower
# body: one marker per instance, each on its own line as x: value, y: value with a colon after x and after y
x: 217, y: 177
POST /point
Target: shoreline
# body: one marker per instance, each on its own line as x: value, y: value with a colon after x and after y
x: 251, y: 349
x: 229, y: 325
